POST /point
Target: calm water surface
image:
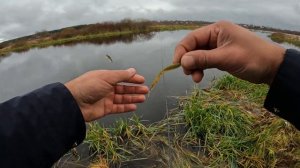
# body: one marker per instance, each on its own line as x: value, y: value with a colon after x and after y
x: 24, y: 72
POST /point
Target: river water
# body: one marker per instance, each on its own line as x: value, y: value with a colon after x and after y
x: 24, y: 72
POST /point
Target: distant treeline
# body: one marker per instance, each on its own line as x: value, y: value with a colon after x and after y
x: 137, y: 26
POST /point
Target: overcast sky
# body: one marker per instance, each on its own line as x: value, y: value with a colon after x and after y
x: 24, y: 17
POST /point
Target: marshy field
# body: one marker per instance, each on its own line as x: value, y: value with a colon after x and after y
x: 219, y: 123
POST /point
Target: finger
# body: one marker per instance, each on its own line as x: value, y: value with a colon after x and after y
x: 128, y: 99
x: 136, y: 79
x: 122, y: 108
x: 197, y: 39
x: 187, y: 72
x: 117, y: 76
x: 197, y: 76
x: 180, y: 50
x: 123, y: 89
x: 203, y: 59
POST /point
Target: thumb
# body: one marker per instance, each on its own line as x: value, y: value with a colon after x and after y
x: 202, y: 59
x: 117, y: 76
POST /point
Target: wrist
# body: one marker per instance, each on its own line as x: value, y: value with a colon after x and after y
x: 277, y: 57
x: 72, y: 90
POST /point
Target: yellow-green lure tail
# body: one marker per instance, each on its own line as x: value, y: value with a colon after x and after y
x: 161, y: 73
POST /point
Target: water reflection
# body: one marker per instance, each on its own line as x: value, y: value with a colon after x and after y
x: 124, y: 38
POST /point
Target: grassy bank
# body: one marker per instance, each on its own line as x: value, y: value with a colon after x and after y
x: 222, y: 126
x: 83, y: 33
x: 62, y: 41
x: 286, y: 38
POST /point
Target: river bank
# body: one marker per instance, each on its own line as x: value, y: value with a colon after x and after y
x: 224, y: 125
x: 93, y: 32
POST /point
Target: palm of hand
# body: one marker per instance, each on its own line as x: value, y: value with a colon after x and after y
x: 114, y: 99
x: 98, y: 93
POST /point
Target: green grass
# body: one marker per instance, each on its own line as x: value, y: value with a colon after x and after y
x: 222, y: 126
x: 234, y: 128
x: 106, y: 141
x: 240, y: 88
x: 134, y: 142
x: 287, y: 38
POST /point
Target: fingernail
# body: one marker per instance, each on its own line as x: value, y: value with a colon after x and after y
x: 131, y: 70
x: 187, y: 61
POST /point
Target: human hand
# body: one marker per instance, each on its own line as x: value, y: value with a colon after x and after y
x: 98, y: 92
x: 230, y: 48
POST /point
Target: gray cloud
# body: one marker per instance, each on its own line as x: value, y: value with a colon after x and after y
x: 19, y: 18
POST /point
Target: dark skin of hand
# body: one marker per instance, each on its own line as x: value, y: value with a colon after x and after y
x: 230, y: 48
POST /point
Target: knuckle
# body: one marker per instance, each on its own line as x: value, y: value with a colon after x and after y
x: 222, y: 23
x: 181, y: 49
